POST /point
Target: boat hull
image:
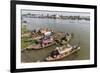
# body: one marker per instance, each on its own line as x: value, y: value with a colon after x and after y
x: 61, y: 56
x: 38, y: 46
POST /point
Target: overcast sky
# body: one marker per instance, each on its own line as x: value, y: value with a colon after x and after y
x: 56, y: 12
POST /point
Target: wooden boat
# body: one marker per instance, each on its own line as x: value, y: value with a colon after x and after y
x: 63, y: 38
x: 67, y: 52
x: 38, y: 46
x: 40, y: 34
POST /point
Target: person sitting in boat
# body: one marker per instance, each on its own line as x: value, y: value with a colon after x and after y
x: 39, y: 32
x: 63, y: 40
x: 66, y: 37
x: 54, y: 53
x: 33, y: 32
x: 41, y: 43
x: 45, y: 41
x: 57, y: 51
x: 69, y: 36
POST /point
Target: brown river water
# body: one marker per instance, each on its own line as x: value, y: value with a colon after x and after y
x: 80, y: 28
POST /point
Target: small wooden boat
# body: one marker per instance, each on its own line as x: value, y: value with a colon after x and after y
x: 40, y: 34
x: 38, y: 46
x: 63, y: 38
x: 65, y: 53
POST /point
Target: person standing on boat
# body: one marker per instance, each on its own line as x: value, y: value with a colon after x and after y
x: 41, y: 42
x: 39, y: 32
x: 68, y: 36
x: 64, y: 39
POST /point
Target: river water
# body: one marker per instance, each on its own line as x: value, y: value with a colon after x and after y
x: 80, y: 28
